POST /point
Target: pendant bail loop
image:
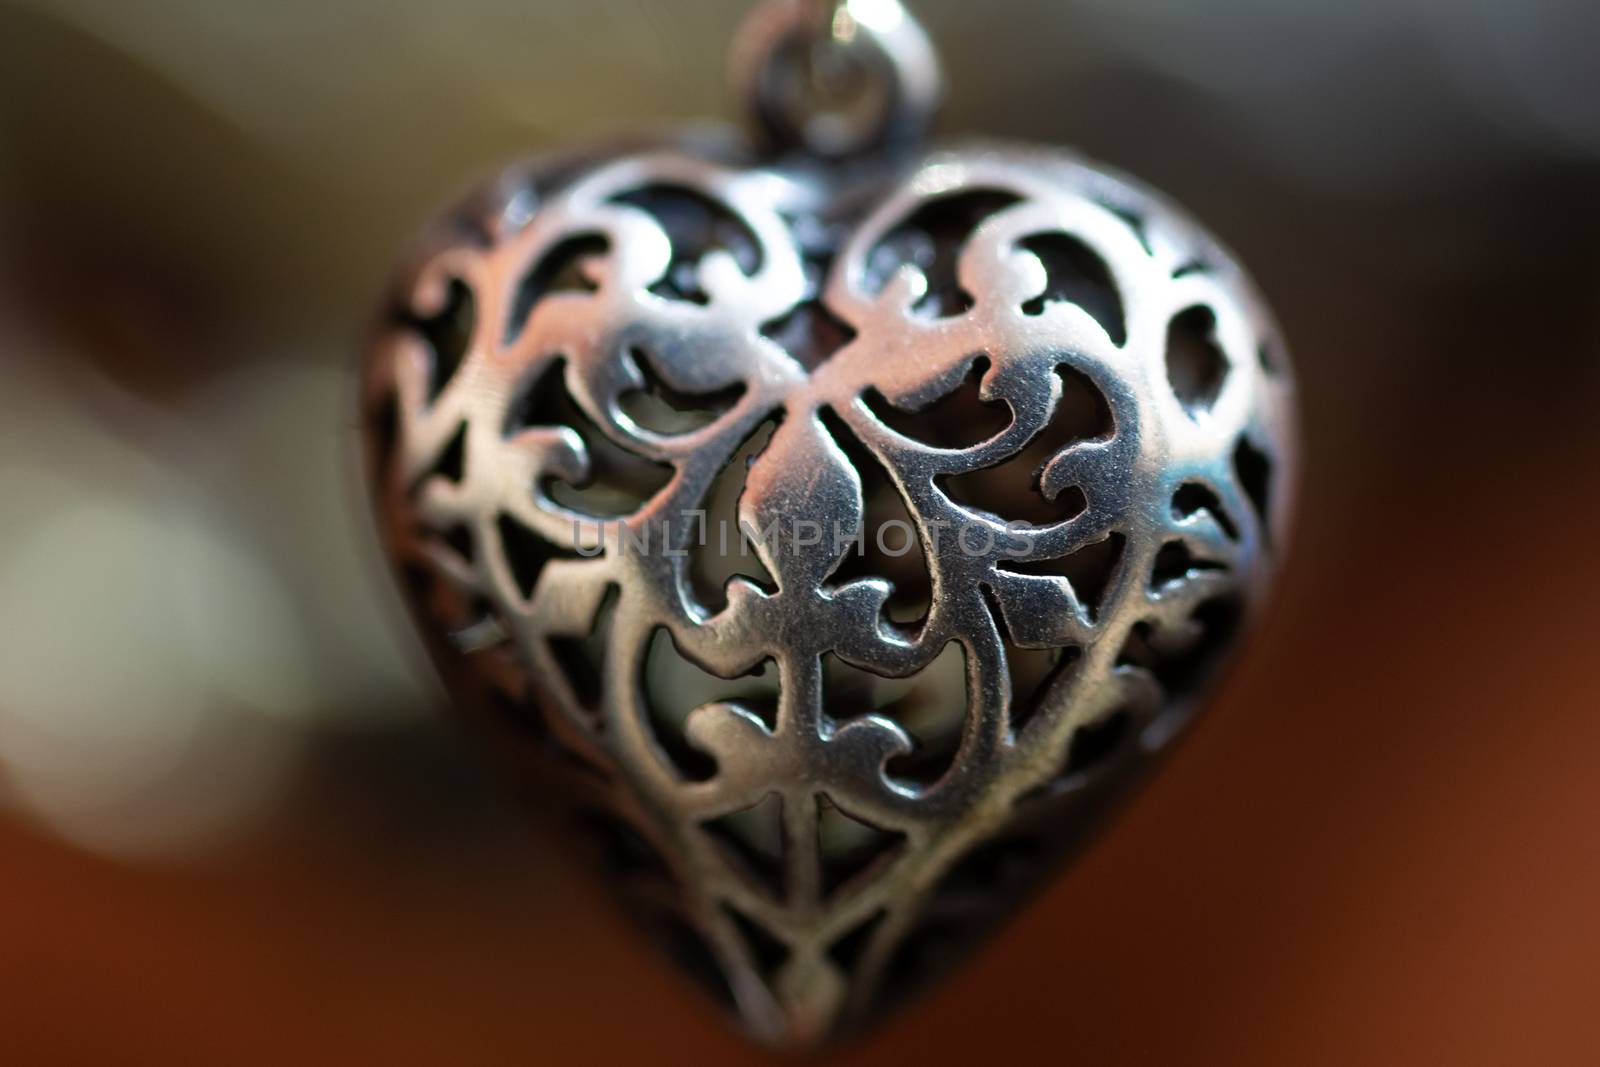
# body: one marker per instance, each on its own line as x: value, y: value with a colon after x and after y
x: 836, y: 78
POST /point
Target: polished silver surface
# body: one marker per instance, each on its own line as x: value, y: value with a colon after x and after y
x: 840, y: 531
x: 816, y: 769
x: 836, y: 78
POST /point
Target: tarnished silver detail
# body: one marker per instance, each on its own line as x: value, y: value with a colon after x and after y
x: 812, y: 825
x: 837, y: 78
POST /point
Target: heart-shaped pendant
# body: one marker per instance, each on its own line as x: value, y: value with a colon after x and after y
x: 836, y: 537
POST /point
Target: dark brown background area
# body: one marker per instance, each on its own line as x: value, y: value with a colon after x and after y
x: 233, y: 830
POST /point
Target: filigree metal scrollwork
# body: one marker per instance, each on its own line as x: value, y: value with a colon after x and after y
x: 1072, y: 398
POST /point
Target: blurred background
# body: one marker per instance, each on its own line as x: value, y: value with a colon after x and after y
x: 233, y: 826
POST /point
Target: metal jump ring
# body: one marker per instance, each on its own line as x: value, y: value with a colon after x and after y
x: 836, y: 78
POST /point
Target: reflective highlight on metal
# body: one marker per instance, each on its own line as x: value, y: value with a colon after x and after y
x: 818, y: 770
x: 836, y: 78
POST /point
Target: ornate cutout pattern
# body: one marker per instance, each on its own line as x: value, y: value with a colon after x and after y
x: 821, y: 762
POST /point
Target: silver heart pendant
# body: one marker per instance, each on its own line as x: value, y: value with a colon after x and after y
x: 832, y: 533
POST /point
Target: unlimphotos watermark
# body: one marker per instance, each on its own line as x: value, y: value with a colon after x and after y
x: 893, y: 538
